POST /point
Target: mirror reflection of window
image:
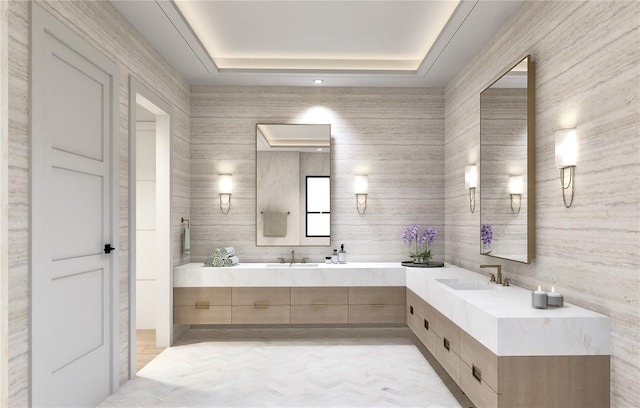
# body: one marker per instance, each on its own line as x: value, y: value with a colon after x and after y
x: 318, y: 204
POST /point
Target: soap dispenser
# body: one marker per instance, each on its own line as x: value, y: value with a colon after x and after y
x: 342, y: 255
x: 334, y: 257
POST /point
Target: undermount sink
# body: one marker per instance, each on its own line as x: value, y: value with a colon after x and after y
x: 468, y: 284
x: 288, y: 265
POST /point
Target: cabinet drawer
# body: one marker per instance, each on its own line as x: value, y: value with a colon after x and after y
x: 426, y: 334
x: 428, y: 313
x: 478, y: 391
x: 319, y: 295
x: 412, y: 308
x: 448, y: 332
x: 260, y: 296
x: 449, y: 360
x: 260, y: 314
x: 201, y: 315
x: 376, y: 313
x: 189, y: 296
x: 475, y: 354
x: 368, y: 295
x: 320, y: 313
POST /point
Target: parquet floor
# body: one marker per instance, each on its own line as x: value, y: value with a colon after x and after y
x: 292, y: 367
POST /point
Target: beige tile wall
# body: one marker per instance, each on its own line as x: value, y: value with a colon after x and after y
x: 587, y: 57
x: 393, y: 135
x: 101, y: 25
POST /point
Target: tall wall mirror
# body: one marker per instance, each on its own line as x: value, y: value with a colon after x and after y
x: 293, y: 184
x: 507, y: 149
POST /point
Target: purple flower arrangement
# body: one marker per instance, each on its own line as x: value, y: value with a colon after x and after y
x: 423, y: 241
x: 486, y: 236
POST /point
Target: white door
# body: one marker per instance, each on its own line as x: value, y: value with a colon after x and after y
x: 73, y: 269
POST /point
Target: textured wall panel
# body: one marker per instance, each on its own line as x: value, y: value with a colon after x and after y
x: 393, y: 135
x: 587, y: 57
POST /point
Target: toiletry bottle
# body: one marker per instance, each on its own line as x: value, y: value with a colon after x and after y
x: 334, y: 257
x: 342, y: 255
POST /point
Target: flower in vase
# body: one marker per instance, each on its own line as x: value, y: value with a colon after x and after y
x: 423, y: 241
x: 486, y: 236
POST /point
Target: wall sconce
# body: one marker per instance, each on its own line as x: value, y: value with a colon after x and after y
x: 566, y: 147
x: 362, y: 187
x: 516, y: 186
x: 225, y: 185
x: 470, y: 183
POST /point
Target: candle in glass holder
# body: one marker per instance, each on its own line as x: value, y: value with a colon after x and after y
x: 539, y: 299
x: 554, y: 298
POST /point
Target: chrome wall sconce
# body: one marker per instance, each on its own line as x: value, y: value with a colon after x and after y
x: 470, y: 183
x: 225, y: 185
x: 566, y: 148
x: 362, y: 187
x: 516, y: 186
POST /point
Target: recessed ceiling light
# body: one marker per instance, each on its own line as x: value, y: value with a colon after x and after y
x: 319, y: 149
x: 317, y: 81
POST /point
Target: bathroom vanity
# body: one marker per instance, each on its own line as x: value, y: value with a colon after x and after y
x: 498, y: 349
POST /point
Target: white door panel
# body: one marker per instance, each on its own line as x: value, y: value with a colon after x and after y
x: 74, y: 206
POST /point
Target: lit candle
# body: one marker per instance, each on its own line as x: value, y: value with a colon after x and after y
x: 555, y: 299
x: 539, y: 299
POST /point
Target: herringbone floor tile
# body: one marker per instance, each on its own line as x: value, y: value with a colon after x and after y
x: 292, y: 367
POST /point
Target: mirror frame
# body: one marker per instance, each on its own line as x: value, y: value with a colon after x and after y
x: 531, y: 149
x: 320, y: 245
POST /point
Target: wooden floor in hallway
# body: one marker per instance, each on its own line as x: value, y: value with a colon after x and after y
x: 292, y: 367
x: 146, y: 349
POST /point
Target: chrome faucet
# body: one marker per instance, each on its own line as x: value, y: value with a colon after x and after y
x: 498, y: 278
x: 293, y: 257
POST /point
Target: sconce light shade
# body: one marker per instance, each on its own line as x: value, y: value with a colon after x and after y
x: 516, y: 184
x: 225, y: 187
x: 470, y: 183
x: 471, y: 176
x: 516, y: 187
x: 362, y: 189
x: 566, y: 158
x: 566, y: 146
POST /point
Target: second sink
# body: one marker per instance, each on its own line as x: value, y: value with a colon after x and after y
x: 468, y: 284
x: 288, y: 265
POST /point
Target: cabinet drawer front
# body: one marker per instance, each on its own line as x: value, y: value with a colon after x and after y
x: 449, y: 360
x: 317, y: 295
x: 367, y: 295
x: 427, y: 336
x: 376, y: 313
x: 320, y: 313
x: 475, y: 354
x: 260, y: 296
x: 478, y: 391
x: 211, y: 315
x: 412, y: 311
x: 426, y: 311
x: 447, y: 330
x: 260, y: 315
x: 189, y: 296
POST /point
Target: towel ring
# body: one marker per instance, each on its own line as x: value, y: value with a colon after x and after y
x: 187, y: 220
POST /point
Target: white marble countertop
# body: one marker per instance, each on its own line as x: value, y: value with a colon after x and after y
x: 260, y: 275
x: 501, y: 318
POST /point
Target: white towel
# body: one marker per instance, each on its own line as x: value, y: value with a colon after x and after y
x: 234, y: 260
x: 187, y: 241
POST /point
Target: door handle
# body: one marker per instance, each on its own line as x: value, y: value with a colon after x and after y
x: 108, y: 248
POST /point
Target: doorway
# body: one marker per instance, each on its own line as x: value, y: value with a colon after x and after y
x: 150, y: 226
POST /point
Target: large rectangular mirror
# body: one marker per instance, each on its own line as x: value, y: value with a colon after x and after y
x: 293, y: 185
x: 507, y: 185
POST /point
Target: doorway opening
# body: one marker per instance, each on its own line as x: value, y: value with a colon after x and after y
x: 150, y: 227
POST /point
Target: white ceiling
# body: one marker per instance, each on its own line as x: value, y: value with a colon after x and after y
x: 345, y: 43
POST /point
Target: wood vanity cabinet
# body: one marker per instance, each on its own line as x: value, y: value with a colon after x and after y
x: 377, y: 304
x: 319, y: 305
x: 260, y: 305
x: 202, y: 305
x: 509, y: 381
